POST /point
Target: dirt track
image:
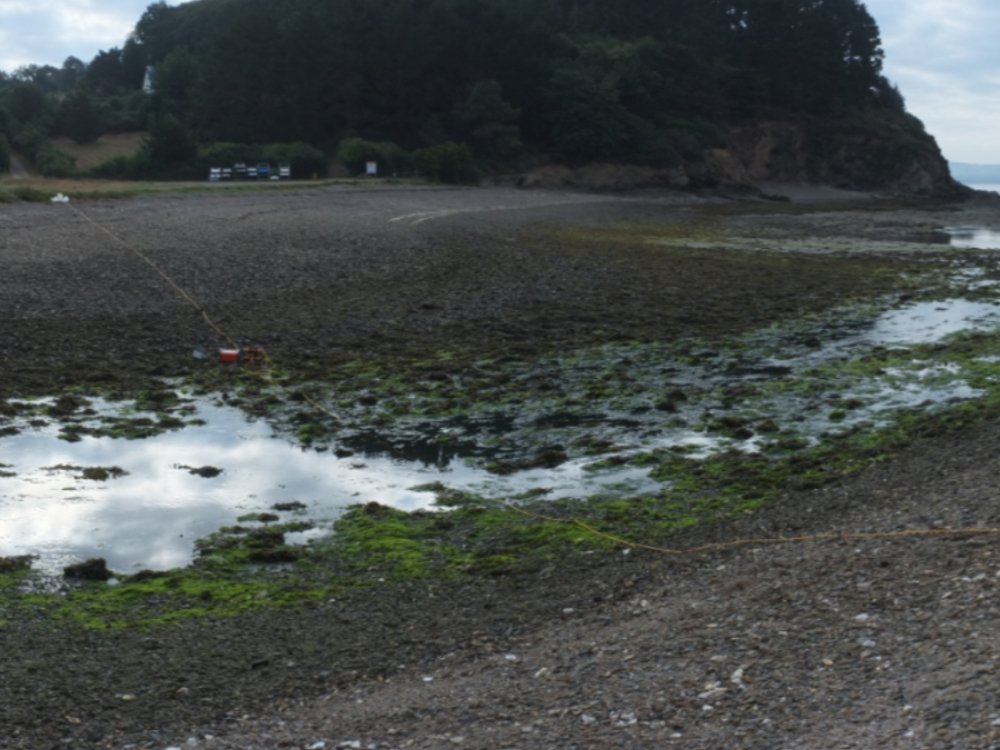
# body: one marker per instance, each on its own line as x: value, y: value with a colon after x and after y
x: 878, y: 643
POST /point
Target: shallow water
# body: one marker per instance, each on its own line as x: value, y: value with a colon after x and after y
x: 151, y: 517
x: 927, y: 322
x: 982, y: 238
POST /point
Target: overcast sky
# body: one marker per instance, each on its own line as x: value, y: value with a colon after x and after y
x: 943, y: 54
x: 945, y: 57
x: 46, y: 32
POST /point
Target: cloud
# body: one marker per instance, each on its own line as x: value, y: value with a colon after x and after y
x: 21, y: 33
x: 81, y: 23
x: 943, y: 55
x: 14, y: 7
x: 46, y: 34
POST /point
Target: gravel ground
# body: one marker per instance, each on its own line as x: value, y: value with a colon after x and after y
x: 884, y: 642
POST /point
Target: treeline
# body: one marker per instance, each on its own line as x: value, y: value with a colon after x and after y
x: 490, y: 82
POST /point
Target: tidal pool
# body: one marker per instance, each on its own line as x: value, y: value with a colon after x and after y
x: 982, y: 238
x: 773, y: 385
x: 150, y: 516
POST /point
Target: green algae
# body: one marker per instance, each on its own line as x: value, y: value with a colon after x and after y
x: 92, y: 473
x: 259, y: 517
x: 471, y: 535
x: 205, y: 472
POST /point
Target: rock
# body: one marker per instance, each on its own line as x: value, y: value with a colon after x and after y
x: 292, y: 505
x: 549, y: 458
x: 95, y: 569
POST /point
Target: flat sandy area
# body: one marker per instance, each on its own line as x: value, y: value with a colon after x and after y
x: 881, y: 641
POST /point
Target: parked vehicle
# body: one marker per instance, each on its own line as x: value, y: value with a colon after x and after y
x: 285, y: 171
x: 251, y: 172
x: 240, y: 170
x: 263, y: 171
x: 215, y: 174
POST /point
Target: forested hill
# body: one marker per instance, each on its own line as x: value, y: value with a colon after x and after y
x: 681, y: 84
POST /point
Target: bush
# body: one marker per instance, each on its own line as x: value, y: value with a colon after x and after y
x: 124, y: 168
x: 29, y: 140
x: 79, y: 117
x: 447, y: 162
x: 305, y: 160
x: 355, y: 153
x: 171, y: 149
x: 30, y: 194
x: 52, y: 162
x: 127, y: 113
x: 226, y: 154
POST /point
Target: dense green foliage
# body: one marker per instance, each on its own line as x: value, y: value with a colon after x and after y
x: 653, y: 81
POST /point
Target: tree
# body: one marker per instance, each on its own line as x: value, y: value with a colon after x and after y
x: 586, y: 119
x: 156, y: 31
x: 170, y: 145
x: 134, y: 60
x: 28, y: 103
x: 818, y: 56
x: 653, y: 81
x: 73, y: 71
x: 46, y: 77
x: 490, y: 121
x: 104, y: 74
x: 176, y: 78
x: 79, y: 117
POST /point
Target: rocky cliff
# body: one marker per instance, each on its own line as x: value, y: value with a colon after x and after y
x: 897, y: 158
x: 889, y: 156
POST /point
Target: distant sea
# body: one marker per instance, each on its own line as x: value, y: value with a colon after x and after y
x: 994, y: 186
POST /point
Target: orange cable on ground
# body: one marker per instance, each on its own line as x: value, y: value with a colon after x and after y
x: 736, y: 543
x: 230, y: 340
x: 806, y: 538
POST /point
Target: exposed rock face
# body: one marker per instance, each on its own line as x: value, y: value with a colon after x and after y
x: 894, y: 157
x: 891, y: 157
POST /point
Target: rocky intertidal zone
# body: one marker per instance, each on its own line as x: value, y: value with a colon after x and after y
x: 807, y: 589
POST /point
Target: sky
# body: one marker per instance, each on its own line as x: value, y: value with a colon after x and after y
x: 944, y: 56
x: 46, y: 32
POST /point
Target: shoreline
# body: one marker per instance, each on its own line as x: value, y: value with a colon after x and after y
x: 599, y: 648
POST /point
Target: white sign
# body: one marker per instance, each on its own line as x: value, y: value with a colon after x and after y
x: 371, y: 168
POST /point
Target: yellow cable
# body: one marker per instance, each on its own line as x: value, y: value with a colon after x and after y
x: 163, y: 274
x: 800, y: 539
x: 805, y: 538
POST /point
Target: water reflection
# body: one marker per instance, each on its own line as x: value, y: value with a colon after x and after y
x: 982, y: 238
x: 927, y: 322
x: 151, y: 517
